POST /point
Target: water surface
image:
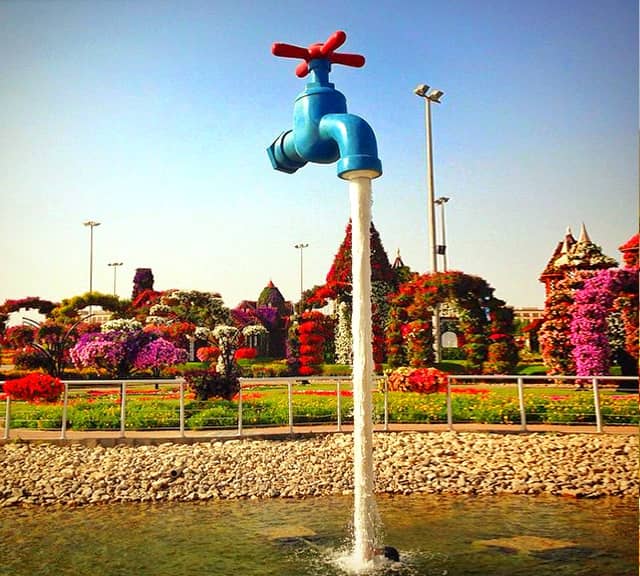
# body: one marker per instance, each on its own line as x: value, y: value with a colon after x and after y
x: 436, y: 535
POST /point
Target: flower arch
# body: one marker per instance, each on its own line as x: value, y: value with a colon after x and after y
x: 485, y: 322
x: 44, y: 307
x: 68, y: 309
x: 612, y: 290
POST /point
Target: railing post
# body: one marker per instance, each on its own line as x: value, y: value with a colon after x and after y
x: 290, y: 401
x: 449, y: 407
x: 596, y: 405
x: 339, y: 405
x: 65, y: 400
x: 386, y: 405
x: 182, y: 408
x: 240, y: 410
x: 123, y: 404
x: 7, y: 417
x: 523, y: 414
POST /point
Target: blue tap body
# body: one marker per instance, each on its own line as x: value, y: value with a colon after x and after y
x: 323, y: 131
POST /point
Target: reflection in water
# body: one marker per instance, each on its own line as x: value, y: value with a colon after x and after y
x: 436, y: 536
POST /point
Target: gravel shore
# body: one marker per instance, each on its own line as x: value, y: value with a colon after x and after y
x: 465, y: 463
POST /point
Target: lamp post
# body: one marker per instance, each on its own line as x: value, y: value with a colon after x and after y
x: 114, y: 265
x: 92, y: 224
x: 301, y: 246
x: 430, y: 96
x: 442, y: 248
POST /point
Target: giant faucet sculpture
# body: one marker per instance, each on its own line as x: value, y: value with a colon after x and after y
x: 323, y: 132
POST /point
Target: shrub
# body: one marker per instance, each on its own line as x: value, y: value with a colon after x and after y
x: 246, y: 353
x: 423, y: 380
x: 29, y: 359
x: 269, y: 370
x: 335, y: 370
x: 35, y: 387
x: 206, y: 384
x: 208, y: 353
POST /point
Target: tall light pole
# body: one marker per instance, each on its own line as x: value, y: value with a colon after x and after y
x: 114, y: 265
x: 430, y: 96
x: 442, y: 248
x: 92, y: 224
x: 301, y: 246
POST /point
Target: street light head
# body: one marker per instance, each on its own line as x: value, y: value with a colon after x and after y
x: 435, y: 95
x: 91, y: 223
x: 441, y: 200
x: 421, y: 90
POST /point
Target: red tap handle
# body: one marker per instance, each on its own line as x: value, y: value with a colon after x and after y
x: 334, y: 42
x: 355, y: 60
x: 302, y: 69
x: 326, y: 50
x: 289, y: 51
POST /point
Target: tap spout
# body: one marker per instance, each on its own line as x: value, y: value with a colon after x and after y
x: 356, y: 143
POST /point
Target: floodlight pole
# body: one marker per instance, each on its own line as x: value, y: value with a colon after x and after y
x: 301, y: 246
x: 422, y: 90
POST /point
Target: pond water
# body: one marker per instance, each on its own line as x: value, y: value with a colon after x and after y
x: 436, y: 535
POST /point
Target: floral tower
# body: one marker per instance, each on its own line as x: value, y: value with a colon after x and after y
x: 572, y: 262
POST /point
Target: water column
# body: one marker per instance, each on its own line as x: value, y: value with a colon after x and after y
x: 363, y: 473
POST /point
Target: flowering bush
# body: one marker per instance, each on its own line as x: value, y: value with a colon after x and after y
x: 210, y: 383
x: 343, y: 341
x: 314, y: 330
x: 28, y: 358
x: 208, y: 353
x: 554, y: 334
x: 110, y: 351
x: 423, y: 380
x: 246, y: 353
x: 34, y: 387
x: 590, y: 327
x: 254, y: 330
x: 121, y: 324
x: 159, y: 354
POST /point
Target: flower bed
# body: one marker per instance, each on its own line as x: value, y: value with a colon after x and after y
x: 151, y: 409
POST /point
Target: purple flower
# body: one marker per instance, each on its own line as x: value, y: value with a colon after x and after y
x: 158, y: 354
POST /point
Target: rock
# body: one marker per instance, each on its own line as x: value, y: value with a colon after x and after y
x: 450, y: 462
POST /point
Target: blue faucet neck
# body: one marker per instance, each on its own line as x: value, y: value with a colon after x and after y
x: 319, y: 69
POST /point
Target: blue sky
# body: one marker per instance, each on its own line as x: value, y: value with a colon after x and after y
x: 153, y: 118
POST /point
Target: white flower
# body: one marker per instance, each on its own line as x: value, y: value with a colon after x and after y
x: 203, y: 333
x: 157, y: 320
x: 254, y: 330
x: 122, y: 324
x: 159, y: 310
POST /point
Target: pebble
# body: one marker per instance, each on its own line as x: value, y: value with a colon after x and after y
x: 569, y: 465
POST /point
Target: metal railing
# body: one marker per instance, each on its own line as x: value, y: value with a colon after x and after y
x: 123, y: 386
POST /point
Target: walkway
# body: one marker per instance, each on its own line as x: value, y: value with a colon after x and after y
x: 134, y: 437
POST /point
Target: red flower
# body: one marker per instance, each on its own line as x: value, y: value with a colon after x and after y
x: 34, y: 387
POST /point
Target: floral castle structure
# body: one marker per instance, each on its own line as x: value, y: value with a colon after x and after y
x: 591, y: 308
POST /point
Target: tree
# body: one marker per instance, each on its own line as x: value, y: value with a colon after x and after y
x: 223, y: 381
x: 199, y: 308
x: 158, y: 354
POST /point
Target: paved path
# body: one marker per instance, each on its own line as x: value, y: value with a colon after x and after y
x: 279, y: 432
